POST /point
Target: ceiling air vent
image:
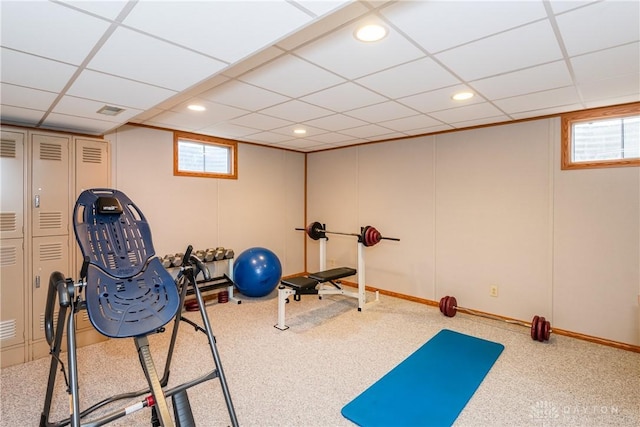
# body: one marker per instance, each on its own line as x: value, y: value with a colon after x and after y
x: 109, y: 110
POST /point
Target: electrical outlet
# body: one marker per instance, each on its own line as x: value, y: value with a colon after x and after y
x: 493, y: 290
x: 332, y: 263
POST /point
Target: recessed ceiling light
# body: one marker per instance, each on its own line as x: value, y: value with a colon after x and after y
x: 461, y: 96
x: 371, y: 33
x: 300, y: 131
x: 195, y: 107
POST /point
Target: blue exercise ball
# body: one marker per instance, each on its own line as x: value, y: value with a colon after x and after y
x: 256, y: 272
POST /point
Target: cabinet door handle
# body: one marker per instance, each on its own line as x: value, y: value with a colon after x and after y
x: 36, y: 201
x: 37, y: 282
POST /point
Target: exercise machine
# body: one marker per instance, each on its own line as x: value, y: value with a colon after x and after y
x: 127, y: 293
x: 326, y: 282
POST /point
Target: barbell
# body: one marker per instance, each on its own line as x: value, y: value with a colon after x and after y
x: 540, y: 327
x: 369, y: 235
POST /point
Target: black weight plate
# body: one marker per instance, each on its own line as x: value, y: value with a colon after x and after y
x: 540, y: 329
x: 451, y: 307
x: 315, y: 230
x: 534, y: 327
x: 442, y: 304
x: 547, y: 330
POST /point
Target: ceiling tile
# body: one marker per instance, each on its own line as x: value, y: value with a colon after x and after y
x: 600, y: 25
x: 296, y: 111
x: 407, y: 79
x: 107, y: 9
x: 228, y: 130
x: 438, y: 99
x: 27, y: 70
x: 522, y: 47
x: 468, y: 112
x: 138, y: 57
x: 428, y: 130
x: 344, y: 97
x: 289, y: 131
x: 260, y: 121
x: 461, y: 21
x: 78, y: 124
x: 291, y: 76
x: 319, y: 8
x: 79, y: 107
x: 50, y: 30
x: 607, y: 63
x: 331, y: 138
x: 366, y: 131
x: 534, y: 79
x: 243, y: 95
x: 335, y: 122
x: 26, y: 97
x: 619, y: 86
x: 560, y: 6
x: 547, y: 111
x: 214, y: 112
x: 114, y: 90
x: 481, y: 121
x: 19, y: 115
x: 269, y: 137
x: 405, y: 124
x: 535, y: 101
x: 343, y: 54
x: 226, y: 30
x: 385, y: 111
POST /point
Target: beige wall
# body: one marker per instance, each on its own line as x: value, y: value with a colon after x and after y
x: 489, y: 206
x: 261, y: 208
x: 472, y: 208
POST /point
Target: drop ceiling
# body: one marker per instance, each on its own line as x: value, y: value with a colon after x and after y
x: 264, y: 68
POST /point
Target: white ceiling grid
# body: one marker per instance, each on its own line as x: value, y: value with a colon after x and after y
x: 264, y: 68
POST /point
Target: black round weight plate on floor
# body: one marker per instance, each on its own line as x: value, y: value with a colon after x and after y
x: 450, y: 306
x: 540, y: 329
x: 547, y: 330
x: 441, y: 305
x: 534, y: 327
x: 191, y: 305
x: 315, y: 230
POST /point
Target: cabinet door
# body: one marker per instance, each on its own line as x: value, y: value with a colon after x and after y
x: 50, y: 254
x: 92, y: 164
x: 12, y: 288
x: 50, y: 184
x: 92, y: 171
x: 12, y: 166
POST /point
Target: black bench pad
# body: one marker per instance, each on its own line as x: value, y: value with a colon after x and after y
x: 333, y: 274
x: 300, y: 282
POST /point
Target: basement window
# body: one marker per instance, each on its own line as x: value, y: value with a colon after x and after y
x: 603, y: 137
x: 204, y: 156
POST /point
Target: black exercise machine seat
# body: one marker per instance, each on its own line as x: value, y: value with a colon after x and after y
x: 333, y: 274
x: 128, y: 291
x: 304, y: 283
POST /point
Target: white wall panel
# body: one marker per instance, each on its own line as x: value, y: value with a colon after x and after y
x: 332, y: 199
x: 493, y: 218
x: 597, y: 251
x: 396, y: 184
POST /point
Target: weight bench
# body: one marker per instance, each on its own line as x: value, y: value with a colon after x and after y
x: 309, y: 285
x: 127, y: 294
x: 315, y: 283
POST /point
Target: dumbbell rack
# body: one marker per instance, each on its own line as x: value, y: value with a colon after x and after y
x: 218, y: 282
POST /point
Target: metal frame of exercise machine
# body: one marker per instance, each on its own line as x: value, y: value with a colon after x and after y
x: 127, y: 294
x: 318, y: 283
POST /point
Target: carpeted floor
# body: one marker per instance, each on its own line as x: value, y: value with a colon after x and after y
x: 304, y: 376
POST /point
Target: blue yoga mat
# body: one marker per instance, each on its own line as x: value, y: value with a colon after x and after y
x: 428, y: 388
